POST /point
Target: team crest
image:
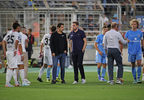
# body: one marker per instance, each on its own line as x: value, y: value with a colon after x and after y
x: 138, y: 35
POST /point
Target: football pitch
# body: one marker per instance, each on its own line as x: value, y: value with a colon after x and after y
x: 92, y: 90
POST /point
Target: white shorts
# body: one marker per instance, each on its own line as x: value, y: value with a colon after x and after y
x: 11, y: 59
x: 19, y: 62
x: 47, y: 57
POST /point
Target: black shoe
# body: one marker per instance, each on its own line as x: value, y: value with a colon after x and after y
x: 53, y: 82
x: 39, y: 79
x: 63, y: 82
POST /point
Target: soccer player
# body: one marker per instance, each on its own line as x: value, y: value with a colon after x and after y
x: 47, y: 54
x: 134, y: 49
x: 11, y: 40
x: 25, y: 41
x: 20, y: 58
x: 101, y: 55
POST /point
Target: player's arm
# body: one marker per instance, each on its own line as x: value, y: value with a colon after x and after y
x: 41, y: 48
x: 21, y: 51
x: 85, y: 43
x: 70, y: 45
x: 4, y: 47
x: 16, y: 45
x: 96, y: 47
x: 52, y: 45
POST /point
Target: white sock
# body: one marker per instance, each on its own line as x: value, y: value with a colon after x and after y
x: 41, y: 71
x: 18, y: 77
x: 21, y: 71
x: 15, y: 76
x: 9, y: 76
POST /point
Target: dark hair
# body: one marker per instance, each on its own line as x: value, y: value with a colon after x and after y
x: 53, y: 28
x: 76, y: 22
x: 90, y: 15
x: 30, y: 29
x: 109, y: 26
x: 15, y: 25
x: 23, y: 27
x: 104, y: 27
x: 8, y: 29
x: 59, y: 24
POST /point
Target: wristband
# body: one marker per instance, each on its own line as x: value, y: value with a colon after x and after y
x: 22, y: 55
x: 15, y: 49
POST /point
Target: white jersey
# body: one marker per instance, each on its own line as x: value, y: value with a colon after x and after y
x: 46, y: 41
x: 11, y: 39
x: 24, y: 37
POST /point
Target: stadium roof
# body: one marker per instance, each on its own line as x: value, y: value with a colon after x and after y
x: 41, y: 4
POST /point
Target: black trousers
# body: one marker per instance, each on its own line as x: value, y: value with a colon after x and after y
x: 30, y: 52
x: 114, y: 54
x: 77, y: 58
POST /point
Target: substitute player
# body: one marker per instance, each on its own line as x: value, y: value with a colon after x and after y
x: 11, y: 40
x: 101, y: 55
x: 134, y: 49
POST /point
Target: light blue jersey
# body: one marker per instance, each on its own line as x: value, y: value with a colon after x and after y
x: 134, y: 46
x: 100, y: 43
x: 99, y: 58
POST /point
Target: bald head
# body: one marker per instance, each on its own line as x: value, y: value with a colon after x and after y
x: 114, y: 25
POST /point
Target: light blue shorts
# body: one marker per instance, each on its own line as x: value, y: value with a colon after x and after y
x: 135, y: 57
x: 100, y: 59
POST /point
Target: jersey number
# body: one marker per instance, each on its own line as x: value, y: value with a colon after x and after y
x: 47, y: 41
x: 10, y: 39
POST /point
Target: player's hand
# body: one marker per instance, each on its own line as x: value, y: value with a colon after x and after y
x: 83, y: 50
x: 65, y: 51
x: 100, y: 53
x: 41, y: 52
x: 53, y: 54
x: 22, y: 58
x: 127, y: 40
x: 15, y: 52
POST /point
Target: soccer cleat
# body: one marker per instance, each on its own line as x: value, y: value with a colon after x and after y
x: 138, y: 81
x: 70, y: 66
x: 112, y: 82
x: 102, y: 79
x: 135, y: 81
x: 83, y: 81
x: 108, y: 81
x: 121, y: 79
x: 75, y: 82
x: 99, y: 77
x: 53, y: 82
x: 39, y: 79
x: 143, y: 78
x: 25, y: 84
x: 27, y: 81
x: 58, y: 80
x: 63, y: 82
x: 118, y: 82
x: 48, y: 80
x: 8, y: 85
x: 17, y: 85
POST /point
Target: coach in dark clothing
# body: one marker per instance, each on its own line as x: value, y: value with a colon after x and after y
x: 78, y: 45
x: 30, y: 44
x: 58, y: 45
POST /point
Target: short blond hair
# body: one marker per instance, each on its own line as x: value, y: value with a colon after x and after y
x: 134, y: 20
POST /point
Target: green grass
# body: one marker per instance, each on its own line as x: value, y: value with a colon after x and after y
x: 92, y: 90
